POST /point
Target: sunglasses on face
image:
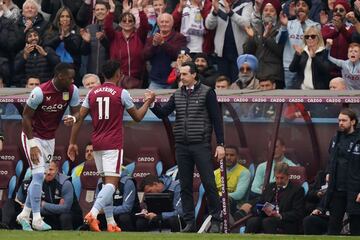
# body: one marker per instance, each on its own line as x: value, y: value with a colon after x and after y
x: 339, y: 10
x: 310, y: 37
x: 127, y: 21
x: 245, y: 69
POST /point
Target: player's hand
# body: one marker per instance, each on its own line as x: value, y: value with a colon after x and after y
x: 73, y: 151
x: 149, y: 96
x: 35, y: 155
x: 69, y: 120
x: 316, y: 212
x: 150, y: 215
x: 358, y: 198
x: 220, y: 152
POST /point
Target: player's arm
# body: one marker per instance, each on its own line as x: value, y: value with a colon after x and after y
x: 135, y: 113
x: 69, y: 120
x: 73, y: 148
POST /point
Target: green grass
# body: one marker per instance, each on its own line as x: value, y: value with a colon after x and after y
x: 74, y: 235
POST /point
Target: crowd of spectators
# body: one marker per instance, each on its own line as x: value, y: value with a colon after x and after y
x: 297, y: 44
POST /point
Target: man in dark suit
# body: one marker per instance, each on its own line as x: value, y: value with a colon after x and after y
x: 280, y: 207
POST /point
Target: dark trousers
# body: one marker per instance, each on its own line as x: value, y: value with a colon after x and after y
x: 199, y: 155
x: 9, y: 211
x: 337, y: 207
x: 315, y: 225
x: 65, y: 221
x: 228, y: 67
x: 144, y: 225
x: 270, y: 225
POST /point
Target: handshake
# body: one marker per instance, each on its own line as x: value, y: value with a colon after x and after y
x: 149, y: 96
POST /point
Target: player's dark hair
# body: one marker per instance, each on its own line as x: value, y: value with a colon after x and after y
x: 62, y: 67
x: 148, y: 181
x: 109, y: 68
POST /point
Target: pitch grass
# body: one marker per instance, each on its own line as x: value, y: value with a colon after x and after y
x: 75, y: 235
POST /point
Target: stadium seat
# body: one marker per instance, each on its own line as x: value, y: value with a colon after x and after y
x: 88, y: 180
x: 297, y: 175
x: 8, y: 181
x: 147, y: 162
x: 247, y: 160
x: 60, y: 155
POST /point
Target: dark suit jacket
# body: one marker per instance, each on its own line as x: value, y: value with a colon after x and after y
x: 291, y: 205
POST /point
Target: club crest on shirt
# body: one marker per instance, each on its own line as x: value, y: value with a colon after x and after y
x: 66, y: 96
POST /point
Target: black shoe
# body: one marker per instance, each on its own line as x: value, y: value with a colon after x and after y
x: 215, y: 227
x: 189, y: 228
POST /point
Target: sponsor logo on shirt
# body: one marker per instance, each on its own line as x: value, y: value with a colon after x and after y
x: 54, y: 108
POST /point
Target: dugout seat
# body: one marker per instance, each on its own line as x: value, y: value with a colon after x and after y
x: 88, y: 179
x: 8, y: 179
x: 247, y: 160
x: 297, y: 175
x: 147, y: 162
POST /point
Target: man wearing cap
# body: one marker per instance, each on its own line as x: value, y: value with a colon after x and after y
x: 247, y: 65
x: 291, y: 33
x: 207, y: 73
x: 262, y: 43
x: 340, y: 32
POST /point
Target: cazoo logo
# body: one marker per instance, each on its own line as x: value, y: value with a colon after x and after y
x: 140, y: 174
x: 90, y: 173
x: 54, y: 108
x: 146, y: 159
x: 4, y: 172
x: 295, y: 177
x: 7, y: 157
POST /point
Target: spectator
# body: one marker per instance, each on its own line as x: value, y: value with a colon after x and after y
x: 161, y: 49
x: 53, y: 6
x: 292, y: 33
x: 238, y: 178
x: 174, y: 76
x: 339, y: 32
x: 262, y: 43
x: 173, y: 219
x: 279, y: 156
x: 207, y: 72
x: 95, y: 45
x: 127, y: 45
x: 350, y: 69
x: 9, y: 10
x: 31, y: 18
x: 59, y: 206
x: 197, y: 112
x: 32, y: 82
x: 343, y: 191
x: 159, y: 7
x: 9, y: 38
x: 316, y: 222
x: 247, y: 66
x: 35, y: 59
x: 126, y: 204
x: 222, y: 82
x: 311, y: 63
x: 229, y: 18
x: 189, y: 16
x: 263, y: 110
x: 282, y: 206
x: 63, y: 36
x: 337, y: 84
x: 90, y: 80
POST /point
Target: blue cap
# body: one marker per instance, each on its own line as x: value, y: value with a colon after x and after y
x: 249, y: 59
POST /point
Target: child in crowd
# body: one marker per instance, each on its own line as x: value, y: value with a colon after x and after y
x: 350, y: 69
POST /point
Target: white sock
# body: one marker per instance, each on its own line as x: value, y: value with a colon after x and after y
x: 26, y: 212
x: 36, y: 217
x: 111, y: 221
x: 94, y: 212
